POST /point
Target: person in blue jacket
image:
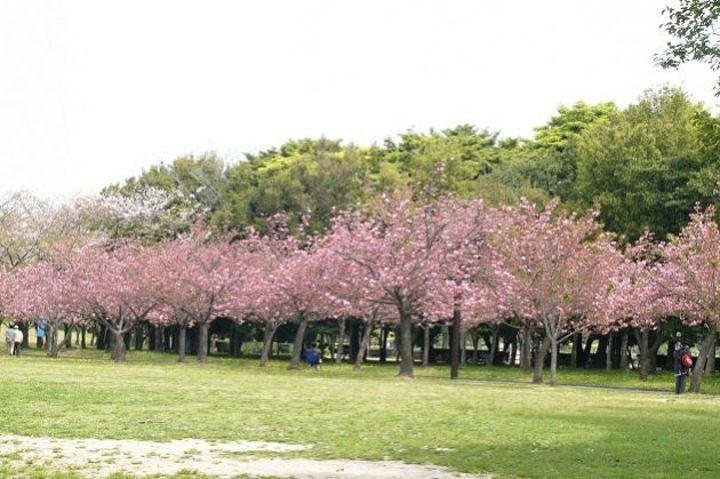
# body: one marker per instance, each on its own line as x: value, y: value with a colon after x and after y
x: 313, y: 356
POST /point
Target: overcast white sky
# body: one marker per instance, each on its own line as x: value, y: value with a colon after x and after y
x: 93, y: 92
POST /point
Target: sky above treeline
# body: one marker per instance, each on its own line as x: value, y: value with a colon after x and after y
x: 92, y: 93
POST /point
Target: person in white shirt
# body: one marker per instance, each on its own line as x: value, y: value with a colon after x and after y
x: 10, y: 340
x: 18, y: 341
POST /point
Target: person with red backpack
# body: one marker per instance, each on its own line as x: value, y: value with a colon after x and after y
x: 682, y: 362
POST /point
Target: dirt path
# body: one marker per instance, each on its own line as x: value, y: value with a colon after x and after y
x: 97, y: 458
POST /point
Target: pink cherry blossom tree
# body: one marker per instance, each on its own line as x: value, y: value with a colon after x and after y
x: 396, y: 250
x: 115, y: 289
x: 636, y: 302
x: 563, y: 264
x: 265, y: 296
x: 292, y: 277
x: 688, y: 279
x: 303, y: 287
x: 195, y: 278
x: 30, y: 226
x: 472, y: 275
x: 259, y: 300
x: 44, y: 291
x: 350, y: 292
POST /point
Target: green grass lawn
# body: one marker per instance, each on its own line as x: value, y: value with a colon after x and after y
x: 492, y: 420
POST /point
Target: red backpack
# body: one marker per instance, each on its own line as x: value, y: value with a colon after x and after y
x: 686, y: 360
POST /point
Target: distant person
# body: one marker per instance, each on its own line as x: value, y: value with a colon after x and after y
x: 10, y: 340
x: 18, y: 341
x: 682, y: 362
x: 678, y: 341
x: 313, y: 356
x: 40, y: 326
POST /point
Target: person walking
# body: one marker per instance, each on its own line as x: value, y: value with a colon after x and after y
x: 682, y: 361
x: 10, y: 340
x: 18, y: 341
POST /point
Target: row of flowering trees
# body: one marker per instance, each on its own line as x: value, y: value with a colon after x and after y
x: 460, y: 263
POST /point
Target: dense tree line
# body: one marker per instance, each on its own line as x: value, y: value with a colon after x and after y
x: 643, y: 167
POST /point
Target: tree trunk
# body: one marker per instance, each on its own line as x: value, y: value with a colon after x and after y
x: 364, y: 345
x: 475, y: 339
x: 101, y: 336
x: 236, y: 342
x: 383, y: 344
x: 355, y: 339
x: 340, y: 343
x: 152, y: 337
x: 587, y: 351
x: 118, y: 349
x: 406, y: 348
x: 576, y: 340
x: 526, y: 350
x: 51, y: 336
x: 540, y: 355
x: 455, y: 343
x: 644, y: 359
x: 67, y: 339
x: 653, y: 351
x: 299, y: 342
x: 426, y: 346
x: 493, y: 345
x: 182, y: 335
x: 160, y: 339
x: 139, y: 336
x: 624, y: 353
x: 554, y: 346
x: 268, y: 334
x: 710, y: 363
x: 610, y: 347
x: 699, y: 366
x: 203, y: 341
x: 602, y: 352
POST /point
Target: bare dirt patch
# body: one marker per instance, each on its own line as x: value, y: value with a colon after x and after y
x: 97, y: 458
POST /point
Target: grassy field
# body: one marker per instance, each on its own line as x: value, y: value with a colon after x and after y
x: 492, y: 420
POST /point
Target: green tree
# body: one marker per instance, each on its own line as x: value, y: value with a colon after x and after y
x: 554, y: 165
x: 451, y: 160
x: 240, y: 190
x: 636, y: 165
x: 302, y: 179
x: 523, y: 172
x: 704, y: 181
x: 694, y: 27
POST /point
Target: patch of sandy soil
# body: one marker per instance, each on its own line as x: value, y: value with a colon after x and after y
x: 97, y: 458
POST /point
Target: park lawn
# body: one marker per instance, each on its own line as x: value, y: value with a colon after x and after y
x: 492, y: 420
